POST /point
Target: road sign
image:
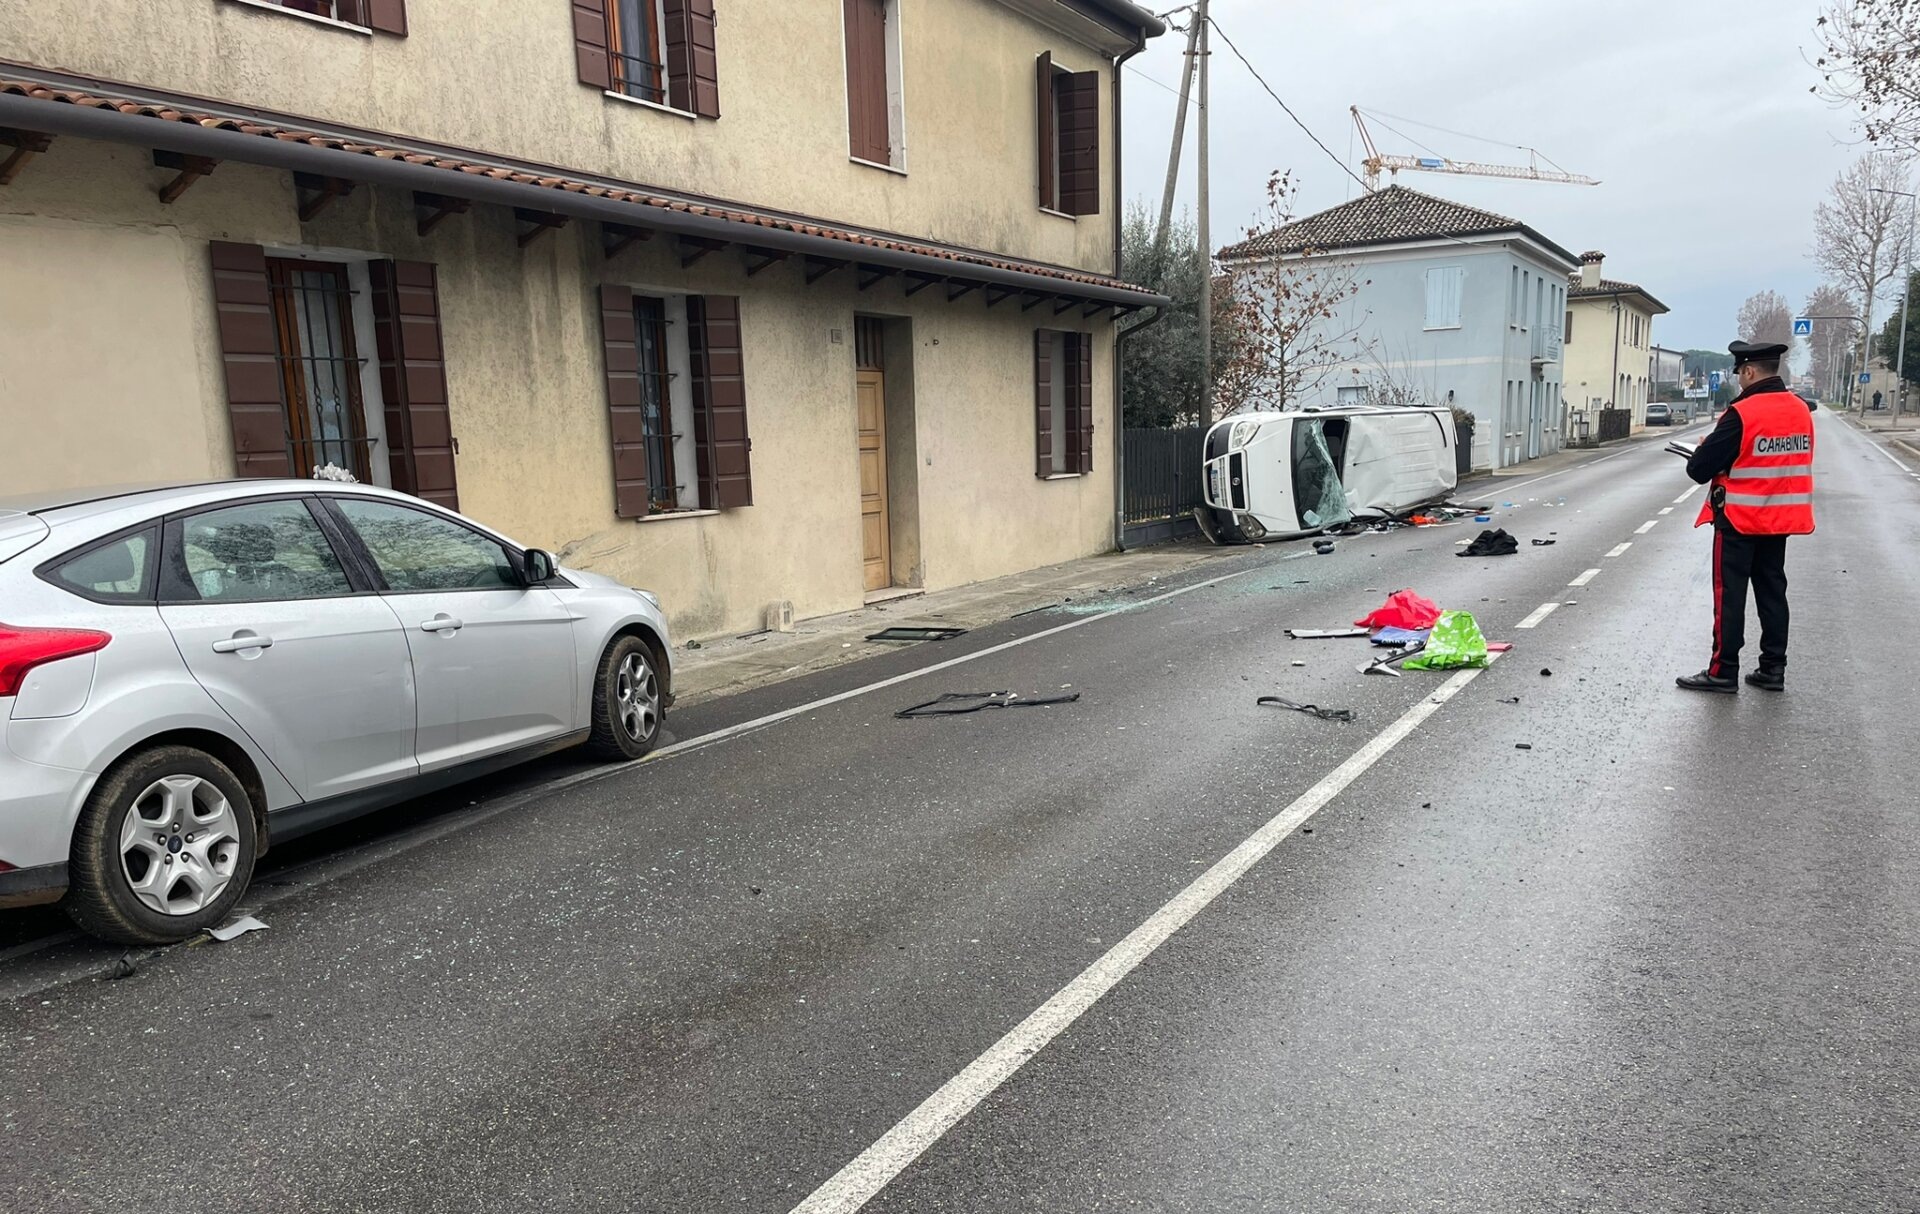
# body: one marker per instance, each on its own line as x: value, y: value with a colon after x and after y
x: 1696, y: 393
x: 1866, y: 377
x: 1713, y: 380
x: 1802, y: 327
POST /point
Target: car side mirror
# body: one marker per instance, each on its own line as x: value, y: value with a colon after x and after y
x: 537, y: 565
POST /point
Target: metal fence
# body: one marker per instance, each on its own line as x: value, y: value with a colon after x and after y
x: 1162, y: 481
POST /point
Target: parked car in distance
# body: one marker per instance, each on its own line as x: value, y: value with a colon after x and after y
x: 1659, y: 415
x: 188, y: 672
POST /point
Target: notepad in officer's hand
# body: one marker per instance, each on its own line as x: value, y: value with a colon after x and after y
x: 1683, y: 450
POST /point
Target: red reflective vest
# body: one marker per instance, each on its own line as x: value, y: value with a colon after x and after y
x: 1769, y: 489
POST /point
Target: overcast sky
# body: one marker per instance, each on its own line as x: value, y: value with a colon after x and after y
x: 1694, y: 114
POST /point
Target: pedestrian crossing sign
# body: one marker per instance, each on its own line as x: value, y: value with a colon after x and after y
x: 1802, y: 327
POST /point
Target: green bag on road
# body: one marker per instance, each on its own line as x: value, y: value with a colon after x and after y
x: 1455, y: 642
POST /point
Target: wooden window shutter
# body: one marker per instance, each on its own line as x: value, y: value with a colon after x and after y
x: 413, y: 380
x: 721, y: 442
x: 627, y: 420
x: 1080, y: 397
x: 693, y: 71
x: 1043, y: 73
x: 387, y: 16
x: 1078, y: 96
x: 591, y: 44
x: 250, y: 353
x: 1043, y: 402
x: 868, y: 134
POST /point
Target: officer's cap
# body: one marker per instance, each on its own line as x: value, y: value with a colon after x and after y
x: 1753, y: 352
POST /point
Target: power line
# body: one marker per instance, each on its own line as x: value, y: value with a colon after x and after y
x: 1150, y: 80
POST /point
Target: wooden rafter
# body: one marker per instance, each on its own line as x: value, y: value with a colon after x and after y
x: 189, y: 169
x: 819, y: 267
x: 1062, y: 303
x: 996, y: 294
x: 872, y: 274
x: 615, y: 237
x: 437, y: 208
x: 26, y: 145
x: 693, y: 248
x: 316, y: 193
x: 922, y: 281
x: 956, y: 287
x: 542, y: 222
x: 1095, y: 307
x: 759, y: 259
x: 1033, y: 299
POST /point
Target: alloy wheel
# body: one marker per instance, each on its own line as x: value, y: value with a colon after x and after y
x: 636, y: 698
x: 179, y: 845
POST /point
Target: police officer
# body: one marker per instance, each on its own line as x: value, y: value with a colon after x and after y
x: 1759, y: 463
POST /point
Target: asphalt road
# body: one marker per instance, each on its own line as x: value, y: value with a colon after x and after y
x: 1160, y: 949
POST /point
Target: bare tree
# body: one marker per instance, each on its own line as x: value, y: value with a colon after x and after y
x: 1765, y: 317
x: 1284, y: 311
x: 1868, y: 53
x: 1860, y: 236
x: 1831, y: 336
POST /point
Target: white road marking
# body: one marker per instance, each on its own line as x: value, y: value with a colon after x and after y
x: 1665, y: 510
x: 1539, y: 613
x: 1684, y: 496
x: 1562, y: 472
x: 1890, y: 455
x: 1618, y: 549
x: 1647, y: 526
x: 874, y: 1168
x: 1584, y: 578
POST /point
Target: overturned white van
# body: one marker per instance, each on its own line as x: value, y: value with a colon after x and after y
x: 1283, y: 475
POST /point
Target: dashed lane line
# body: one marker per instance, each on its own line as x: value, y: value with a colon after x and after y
x: 1647, y: 526
x: 1681, y: 500
x: 1618, y: 549
x: 1665, y: 510
x: 1584, y: 578
x: 1539, y: 613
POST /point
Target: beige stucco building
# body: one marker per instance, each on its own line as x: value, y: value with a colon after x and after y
x: 740, y: 300
x: 1609, y: 344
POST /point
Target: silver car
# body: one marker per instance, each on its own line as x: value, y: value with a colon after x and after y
x: 188, y: 672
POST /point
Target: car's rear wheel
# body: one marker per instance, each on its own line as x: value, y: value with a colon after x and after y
x: 163, y: 850
x: 627, y: 709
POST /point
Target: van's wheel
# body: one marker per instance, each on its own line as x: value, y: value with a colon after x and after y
x: 163, y: 850
x: 627, y: 712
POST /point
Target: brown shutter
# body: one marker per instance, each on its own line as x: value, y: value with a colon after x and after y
x: 719, y: 402
x: 693, y: 71
x: 388, y: 16
x: 590, y: 43
x: 1043, y: 73
x: 413, y: 380
x: 628, y: 427
x: 867, y: 126
x: 1080, y: 397
x: 1043, y: 402
x: 250, y: 351
x: 1079, y: 101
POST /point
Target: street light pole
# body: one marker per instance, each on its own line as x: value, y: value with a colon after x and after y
x: 1906, y: 297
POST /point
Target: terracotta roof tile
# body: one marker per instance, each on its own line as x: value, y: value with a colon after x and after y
x: 167, y: 113
x: 1390, y: 216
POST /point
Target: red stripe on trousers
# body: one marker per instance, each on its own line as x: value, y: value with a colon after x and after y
x: 1713, y: 666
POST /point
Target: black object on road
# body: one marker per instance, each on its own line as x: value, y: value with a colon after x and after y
x: 1312, y: 710
x: 954, y: 703
x: 1544, y: 543
x: 1491, y: 543
x: 917, y: 634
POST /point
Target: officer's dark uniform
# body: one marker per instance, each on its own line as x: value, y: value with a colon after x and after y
x: 1769, y: 481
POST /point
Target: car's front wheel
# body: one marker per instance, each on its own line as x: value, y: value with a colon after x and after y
x: 627, y: 707
x: 164, y: 848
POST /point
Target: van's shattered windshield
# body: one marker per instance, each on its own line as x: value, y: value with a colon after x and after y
x: 1317, y: 492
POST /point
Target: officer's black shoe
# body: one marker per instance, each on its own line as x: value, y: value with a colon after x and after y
x: 1708, y: 681
x: 1768, y: 679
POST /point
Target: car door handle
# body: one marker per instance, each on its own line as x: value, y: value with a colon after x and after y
x: 237, y: 643
x: 440, y: 623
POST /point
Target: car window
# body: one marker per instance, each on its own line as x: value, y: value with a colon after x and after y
x: 415, y: 550
x: 115, y: 572
x: 251, y: 553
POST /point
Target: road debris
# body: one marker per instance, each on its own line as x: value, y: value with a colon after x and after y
x: 1510, y: 699
x: 909, y: 635
x: 1312, y: 710
x: 1321, y: 634
x: 1403, y: 609
x: 955, y: 703
x: 1456, y: 642
x: 1544, y: 543
x: 235, y: 928
x: 1491, y: 543
x: 1523, y: 746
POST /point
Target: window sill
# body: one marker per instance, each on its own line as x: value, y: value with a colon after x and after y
x: 1439, y: 328
x: 639, y: 101
x: 271, y: 7
x: 1059, y: 214
x: 667, y: 516
x: 1063, y: 476
x: 875, y: 164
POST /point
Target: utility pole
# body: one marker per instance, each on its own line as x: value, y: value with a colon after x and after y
x: 1206, y: 235
x: 1173, y: 153
x: 1906, y: 297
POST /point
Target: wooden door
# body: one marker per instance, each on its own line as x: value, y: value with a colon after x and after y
x: 871, y: 394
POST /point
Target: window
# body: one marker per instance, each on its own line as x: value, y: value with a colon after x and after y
x: 118, y: 571
x: 1063, y: 403
x: 1568, y: 334
x: 676, y: 402
x: 387, y: 16
x: 1444, y: 285
x: 657, y: 51
x: 250, y: 553
x: 319, y: 365
x: 1352, y: 395
x: 1068, y: 134
x: 873, y: 81
x: 414, y: 550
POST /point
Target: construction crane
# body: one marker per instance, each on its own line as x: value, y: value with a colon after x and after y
x: 1374, y: 162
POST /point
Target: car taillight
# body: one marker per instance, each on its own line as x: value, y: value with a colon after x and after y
x: 21, y: 649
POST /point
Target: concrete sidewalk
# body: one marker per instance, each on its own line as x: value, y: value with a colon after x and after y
x: 733, y: 664
x: 1903, y: 432
x: 1568, y: 457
